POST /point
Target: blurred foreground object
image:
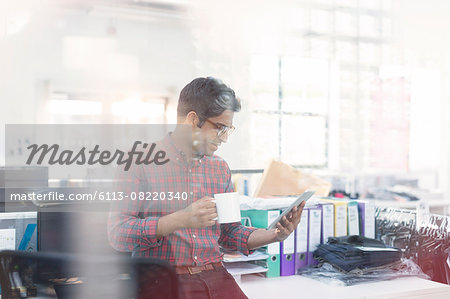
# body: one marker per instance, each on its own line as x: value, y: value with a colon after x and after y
x: 55, y: 275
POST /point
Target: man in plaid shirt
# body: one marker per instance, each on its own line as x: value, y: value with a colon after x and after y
x: 180, y: 228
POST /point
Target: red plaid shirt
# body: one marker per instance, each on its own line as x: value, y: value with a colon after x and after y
x: 132, y: 223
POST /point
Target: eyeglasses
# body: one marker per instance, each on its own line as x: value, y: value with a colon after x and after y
x: 222, y: 129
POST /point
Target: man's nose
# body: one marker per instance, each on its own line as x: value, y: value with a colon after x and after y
x: 223, y: 137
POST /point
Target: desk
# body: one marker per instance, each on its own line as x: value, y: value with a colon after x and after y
x: 257, y: 287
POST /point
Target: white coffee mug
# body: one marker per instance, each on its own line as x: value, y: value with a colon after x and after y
x: 228, y: 207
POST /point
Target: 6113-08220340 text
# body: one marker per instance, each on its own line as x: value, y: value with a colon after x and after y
x: 98, y: 195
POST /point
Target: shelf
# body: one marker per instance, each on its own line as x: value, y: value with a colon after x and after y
x: 241, y: 268
x: 239, y: 257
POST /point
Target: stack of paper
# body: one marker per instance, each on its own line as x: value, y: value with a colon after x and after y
x: 271, y: 203
x: 241, y: 268
x: 239, y: 257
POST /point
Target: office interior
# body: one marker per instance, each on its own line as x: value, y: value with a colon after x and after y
x: 355, y: 93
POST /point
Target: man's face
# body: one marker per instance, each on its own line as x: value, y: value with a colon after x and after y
x: 208, y: 133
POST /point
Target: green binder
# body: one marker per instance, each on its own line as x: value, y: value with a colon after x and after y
x: 352, y: 218
x: 262, y: 219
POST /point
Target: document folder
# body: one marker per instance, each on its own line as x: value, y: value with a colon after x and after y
x: 327, y: 221
x: 287, y: 263
x: 315, y: 232
x: 262, y: 219
x: 340, y: 217
x: 353, y: 218
x: 301, y: 241
x: 367, y: 218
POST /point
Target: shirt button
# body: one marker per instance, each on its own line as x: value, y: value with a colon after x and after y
x: 191, y: 193
x: 195, y: 257
x: 194, y: 236
x: 190, y: 170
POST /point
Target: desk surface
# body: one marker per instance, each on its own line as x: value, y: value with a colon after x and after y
x: 296, y: 286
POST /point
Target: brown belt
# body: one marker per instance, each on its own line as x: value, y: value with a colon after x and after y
x: 198, y: 269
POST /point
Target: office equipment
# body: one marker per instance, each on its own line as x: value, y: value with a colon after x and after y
x: 241, y: 268
x: 327, y: 221
x: 74, y: 228
x: 340, y: 217
x: 273, y: 262
x: 8, y: 239
x: 353, y: 217
x: 287, y: 262
x: 304, y: 197
x: 29, y: 231
x: 315, y: 232
x: 238, y: 264
x: 236, y: 256
x: 367, y: 218
x: 46, y: 275
x: 301, y: 241
x: 261, y: 219
x: 18, y: 230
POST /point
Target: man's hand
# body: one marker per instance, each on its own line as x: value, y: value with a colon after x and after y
x: 200, y: 214
x: 289, y: 223
x: 284, y: 228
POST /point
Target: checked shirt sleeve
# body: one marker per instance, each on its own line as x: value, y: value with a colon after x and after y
x: 234, y: 236
x: 127, y: 231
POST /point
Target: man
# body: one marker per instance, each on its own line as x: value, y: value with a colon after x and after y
x: 184, y: 232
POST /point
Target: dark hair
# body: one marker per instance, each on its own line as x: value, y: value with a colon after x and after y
x: 208, y: 97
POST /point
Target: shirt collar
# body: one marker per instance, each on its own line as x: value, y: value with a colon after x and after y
x: 178, y: 153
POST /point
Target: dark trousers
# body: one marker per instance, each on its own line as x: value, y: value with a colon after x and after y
x: 214, y: 284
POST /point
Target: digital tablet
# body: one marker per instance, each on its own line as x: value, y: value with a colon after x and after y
x: 304, y: 197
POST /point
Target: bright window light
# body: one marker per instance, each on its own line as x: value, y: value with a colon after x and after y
x: 137, y: 109
x: 75, y: 107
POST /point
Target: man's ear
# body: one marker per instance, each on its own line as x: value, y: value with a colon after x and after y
x: 192, y: 119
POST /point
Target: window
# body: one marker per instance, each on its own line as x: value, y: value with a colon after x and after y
x: 90, y: 108
x: 289, y: 119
